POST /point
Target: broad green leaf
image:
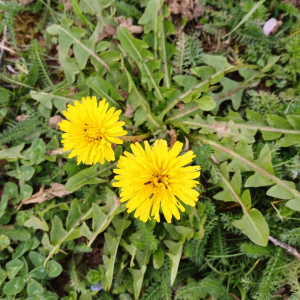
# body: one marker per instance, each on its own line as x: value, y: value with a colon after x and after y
x: 278, y: 191
x: 135, y: 47
x: 186, y: 81
x: 158, y: 257
x: 25, y: 191
x: 93, y: 276
x: 53, y: 144
x: 151, y: 18
x: 2, y: 276
x: 74, y: 215
x: 232, y: 90
x: 85, y: 231
x: 50, y: 296
x: 186, y: 232
x: 59, y: 99
x: 138, y: 276
x: 36, y: 258
x: 87, y: 176
x: 105, y: 90
x: 289, y: 140
x: 43, y: 98
x: 3, y: 204
x: 140, y: 117
x: 294, y: 121
x: 294, y: 204
x: 11, y: 190
x: 277, y: 122
x: 102, y: 46
x: 206, y: 103
x: 175, y: 257
x: 109, y: 262
x: 216, y: 78
x: 34, y: 288
x: 81, y: 54
x: 58, y: 232
x: 14, y: 286
x: 38, y: 147
x: 38, y: 273
x: 12, y: 154
x: 111, y: 247
x: 246, y: 199
x: 227, y: 195
x: 53, y: 268
x: 137, y: 50
x: 271, y: 61
x: 255, y: 118
x: 4, y: 242
x: 69, y: 66
x: 204, y: 72
x: 216, y: 61
x: 27, y: 172
x: 172, y: 231
x: 254, y: 226
x: 46, y: 243
x: 100, y: 220
x: 37, y: 297
x: 264, y: 162
x: 111, y: 57
x: 22, y: 248
x: 13, y: 267
x: 36, y: 223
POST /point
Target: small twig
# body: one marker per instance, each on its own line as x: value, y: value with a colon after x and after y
x: 7, y: 49
x: 3, y: 45
x: 287, y: 247
x: 234, y: 296
x: 279, y: 215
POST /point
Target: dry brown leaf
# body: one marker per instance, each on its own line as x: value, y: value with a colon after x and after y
x: 23, y: 2
x: 54, y: 152
x: 135, y: 29
x: 129, y: 111
x: 53, y: 121
x: 278, y: 24
x: 56, y: 190
x: 68, y: 4
x: 186, y: 8
x: 123, y: 94
x: 129, y: 25
x: 73, y: 90
x: 108, y: 30
x: 21, y: 118
x: 180, y: 106
x: 173, y: 136
x: 198, y: 10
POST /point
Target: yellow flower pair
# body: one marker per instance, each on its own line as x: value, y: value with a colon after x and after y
x: 149, y: 178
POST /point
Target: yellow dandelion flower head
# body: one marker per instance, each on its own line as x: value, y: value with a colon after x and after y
x: 155, y: 177
x: 90, y: 131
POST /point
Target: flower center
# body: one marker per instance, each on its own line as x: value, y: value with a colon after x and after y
x: 93, y: 134
x: 159, y: 181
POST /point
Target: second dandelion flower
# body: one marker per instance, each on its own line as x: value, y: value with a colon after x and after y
x: 90, y: 130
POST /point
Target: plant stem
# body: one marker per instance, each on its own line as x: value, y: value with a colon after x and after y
x: 287, y: 247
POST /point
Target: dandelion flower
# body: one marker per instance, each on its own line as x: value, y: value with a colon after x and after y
x: 90, y: 131
x: 156, y: 177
